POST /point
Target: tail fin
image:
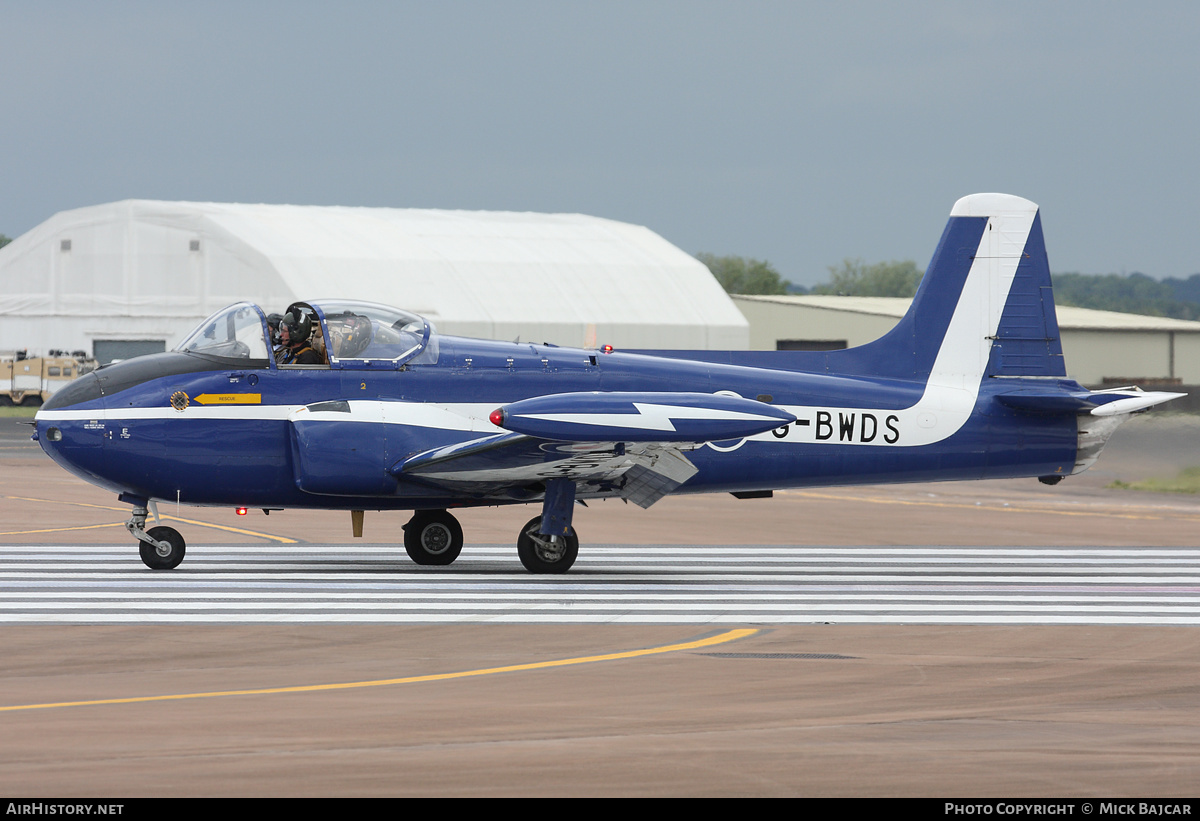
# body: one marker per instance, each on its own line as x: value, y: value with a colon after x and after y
x: 984, y: 307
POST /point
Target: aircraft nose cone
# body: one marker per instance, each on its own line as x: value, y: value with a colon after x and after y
x: 74, y: 442
x: 77, y: 445
x: 83, y: 389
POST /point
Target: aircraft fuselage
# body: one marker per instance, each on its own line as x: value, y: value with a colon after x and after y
x: 233, y: 441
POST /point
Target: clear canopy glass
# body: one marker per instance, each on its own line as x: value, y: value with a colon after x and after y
x: 360, y: 331
x: 236, y: 332
x: 351, y: 334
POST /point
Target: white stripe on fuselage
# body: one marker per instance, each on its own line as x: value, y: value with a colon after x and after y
x: 196, y: 412
x: 464, y: 417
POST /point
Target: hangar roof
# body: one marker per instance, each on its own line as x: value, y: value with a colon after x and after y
x: 543, y: 277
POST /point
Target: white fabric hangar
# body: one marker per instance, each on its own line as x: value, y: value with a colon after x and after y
x: 134, y: 276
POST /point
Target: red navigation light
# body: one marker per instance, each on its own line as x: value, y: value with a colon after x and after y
x: 607, y: 349
x: 241, y: 511
x: 497, y: 417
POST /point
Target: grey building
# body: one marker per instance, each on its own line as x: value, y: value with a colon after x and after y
x: 1100, y: 347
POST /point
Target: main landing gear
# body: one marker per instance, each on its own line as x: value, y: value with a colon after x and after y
x: 433, y: 537
x: 162, y: 548
x: 546, y: 544
x: 546, y: 554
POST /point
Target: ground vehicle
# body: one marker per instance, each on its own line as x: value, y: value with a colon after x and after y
x: 31, y: 380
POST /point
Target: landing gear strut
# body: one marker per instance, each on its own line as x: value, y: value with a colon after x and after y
x: 161, y: 548
x: 433, y: 537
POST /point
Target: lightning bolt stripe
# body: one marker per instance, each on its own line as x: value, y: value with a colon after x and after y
x: 649, y: 416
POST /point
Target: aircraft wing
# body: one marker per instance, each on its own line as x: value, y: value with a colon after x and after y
x: 516, y: 466
x: 629, y: 443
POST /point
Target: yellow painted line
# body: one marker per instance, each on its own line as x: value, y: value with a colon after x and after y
x: 280, y: 539
x: 243, y: 531
x: 228, y: 399
x: 59, y: 529
x: 993, y: 508
x: 722, y: 638
x: 61, y: 502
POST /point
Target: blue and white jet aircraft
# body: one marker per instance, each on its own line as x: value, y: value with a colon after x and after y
x: 969, y: 385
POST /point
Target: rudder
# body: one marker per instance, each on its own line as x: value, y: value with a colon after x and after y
x: 1027, y: 341
x: 984, y: 307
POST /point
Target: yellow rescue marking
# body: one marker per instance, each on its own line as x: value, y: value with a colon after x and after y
x: 722, y: 638
x: 242, y: 531
x: 994, y: 508
x: 228, y: 399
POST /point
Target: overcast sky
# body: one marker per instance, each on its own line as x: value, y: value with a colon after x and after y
x: 801, y: 133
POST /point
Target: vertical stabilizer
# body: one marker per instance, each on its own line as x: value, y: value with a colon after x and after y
x: 984, y: 306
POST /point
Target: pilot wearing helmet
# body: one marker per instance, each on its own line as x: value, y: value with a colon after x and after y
x: 273, y: 321
x: 294, y: 330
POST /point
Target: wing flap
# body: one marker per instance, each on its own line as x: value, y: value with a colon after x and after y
x: 645, y: 484
x: 515, y: 466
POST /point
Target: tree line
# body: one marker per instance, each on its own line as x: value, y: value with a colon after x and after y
x: 1135, y: 293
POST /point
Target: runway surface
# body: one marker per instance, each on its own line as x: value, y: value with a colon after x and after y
x: 611, y: 584
x: 1035, y: 642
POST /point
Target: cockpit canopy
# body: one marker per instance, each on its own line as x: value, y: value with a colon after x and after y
x: 345, y: 333
x: 235, y: 332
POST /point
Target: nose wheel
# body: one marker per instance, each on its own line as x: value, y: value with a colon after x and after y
x: 167, y: 553
x: 546, y: 554
x: 433, y: 537
x: 161, y: 548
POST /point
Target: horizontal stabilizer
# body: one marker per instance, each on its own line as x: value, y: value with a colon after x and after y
x: 1034, y: 402
x: 1130, y: 400
x: 640, y: 417
x: 1111, y: 402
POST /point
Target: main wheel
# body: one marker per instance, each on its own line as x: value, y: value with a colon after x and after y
x: 159, y: 558
x: 540, y: 555
x: 433, y: 537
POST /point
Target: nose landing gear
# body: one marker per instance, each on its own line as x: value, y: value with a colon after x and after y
x: 161, y: 548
